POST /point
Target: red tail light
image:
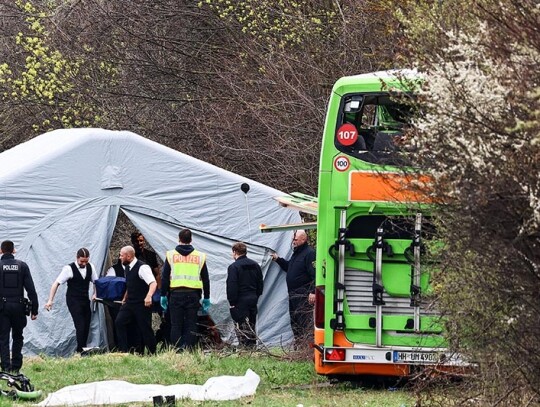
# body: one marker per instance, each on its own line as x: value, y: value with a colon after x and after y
x: 319, y: 306
x: 335, y: 354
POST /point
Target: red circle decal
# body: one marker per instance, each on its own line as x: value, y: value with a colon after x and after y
x: 347, y: 134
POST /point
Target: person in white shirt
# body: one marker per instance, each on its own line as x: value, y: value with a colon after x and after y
x: 116, y: 270
x: 78, y: 276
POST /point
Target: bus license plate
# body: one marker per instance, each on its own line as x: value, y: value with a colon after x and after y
x: 415, y: 357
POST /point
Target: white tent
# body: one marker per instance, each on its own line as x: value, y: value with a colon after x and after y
x: 63, y: 190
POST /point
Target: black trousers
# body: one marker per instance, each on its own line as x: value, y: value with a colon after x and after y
x: 142, y: 316
x: 244, y: 314
x: 79, y: 308
x: 184, y: 306
x: 12, y: 320
x: 301, y: 314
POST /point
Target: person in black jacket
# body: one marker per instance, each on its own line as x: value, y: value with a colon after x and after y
x: 145, y: 255
x: 78, y: 275
x: 300, y: 269
x: 244, y: 287
x: 15, y: 277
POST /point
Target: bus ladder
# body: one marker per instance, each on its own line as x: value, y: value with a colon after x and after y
x: 377, y: 286
x: 341, y: 244
x: 415, y: 286
x: 415, y: 290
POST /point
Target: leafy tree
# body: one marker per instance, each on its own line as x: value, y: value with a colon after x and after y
x: 272, y: 88
x: 38, y: 83
x: 242, y: 85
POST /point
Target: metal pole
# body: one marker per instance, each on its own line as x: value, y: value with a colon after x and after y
x: 417, y: 271
x: 378, y: 286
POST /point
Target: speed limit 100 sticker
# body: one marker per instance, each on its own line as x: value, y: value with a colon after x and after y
x: 342, y: 163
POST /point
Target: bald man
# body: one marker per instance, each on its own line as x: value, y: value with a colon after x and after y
x: 137, y: 302
x: 300, y: 269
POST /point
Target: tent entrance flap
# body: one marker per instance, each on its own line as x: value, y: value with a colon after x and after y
x: 163, y: 235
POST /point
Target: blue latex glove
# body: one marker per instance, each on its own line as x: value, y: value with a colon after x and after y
x: 164, y: 301
x: 206, y: 305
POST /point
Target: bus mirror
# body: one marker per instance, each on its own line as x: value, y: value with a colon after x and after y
x: 353, y: 104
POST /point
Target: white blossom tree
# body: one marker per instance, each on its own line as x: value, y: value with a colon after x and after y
x: 479, y: 138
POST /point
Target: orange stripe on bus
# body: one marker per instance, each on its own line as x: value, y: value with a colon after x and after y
x: 388, y: 187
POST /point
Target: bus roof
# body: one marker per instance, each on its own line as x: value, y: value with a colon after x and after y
x: 375, y: 81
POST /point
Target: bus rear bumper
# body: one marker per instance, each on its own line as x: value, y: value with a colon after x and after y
x: 345, y: 358
x: 387, y: 361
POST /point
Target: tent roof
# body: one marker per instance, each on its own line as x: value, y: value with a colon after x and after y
x: 76, y: 165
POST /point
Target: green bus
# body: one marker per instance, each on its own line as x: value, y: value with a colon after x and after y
x: 372, y: 313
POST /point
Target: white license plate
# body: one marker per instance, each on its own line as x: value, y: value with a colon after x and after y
x: 415, y: 357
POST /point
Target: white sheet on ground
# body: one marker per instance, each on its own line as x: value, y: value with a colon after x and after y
x: 117, y: 391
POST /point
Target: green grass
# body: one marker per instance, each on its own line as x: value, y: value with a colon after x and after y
x: 283, y: 382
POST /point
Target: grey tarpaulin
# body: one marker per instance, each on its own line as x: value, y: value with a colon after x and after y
x: 63, y: 190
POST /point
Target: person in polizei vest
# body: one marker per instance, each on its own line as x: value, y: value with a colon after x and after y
x: 15, y: 278
x: 137, y: 302
x: 185, y: 278
x: 78, y: 275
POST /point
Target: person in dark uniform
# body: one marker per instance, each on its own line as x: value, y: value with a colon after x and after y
x: 300, y: 284
x: 146, y: 255
x: 244, y: 287
x: 185, y: 276
x: 113, y: 307
x: 137, y: 302
x: 149, y: 257
x: 117, y: 269
x: 78, y: 275
x: 15, y: 277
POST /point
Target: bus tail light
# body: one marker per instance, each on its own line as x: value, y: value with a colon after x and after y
x: 335, y: 354
x: 319, y: 307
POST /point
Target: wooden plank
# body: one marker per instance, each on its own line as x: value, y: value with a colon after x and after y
x: 298, y: 204
x: 304, y: 196
x: 291, y: 226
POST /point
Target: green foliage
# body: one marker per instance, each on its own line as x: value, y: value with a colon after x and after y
x: 46, y: 78
x: 282, y: 23
x: 241, y: 85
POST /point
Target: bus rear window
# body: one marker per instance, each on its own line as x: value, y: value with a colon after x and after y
x: 370, y: 126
